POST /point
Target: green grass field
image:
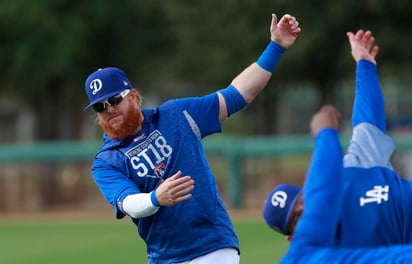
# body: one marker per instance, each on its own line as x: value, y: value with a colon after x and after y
x: 60, y: 241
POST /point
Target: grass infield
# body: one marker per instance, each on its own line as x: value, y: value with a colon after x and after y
x: 51, y: 240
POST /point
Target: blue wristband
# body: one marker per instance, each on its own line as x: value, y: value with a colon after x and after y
x: 270, y: 56
x: 153, y: 198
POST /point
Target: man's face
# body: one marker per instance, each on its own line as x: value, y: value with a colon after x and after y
x: 295, y: 215
x: 122, y: 120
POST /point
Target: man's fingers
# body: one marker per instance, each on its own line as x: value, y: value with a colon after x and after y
x: 374, y: 51
x: 174, y: 176
x: 274, y: 22
x: 183, y: 198
x: 359, y: 34
x: 184, y: 188
x: 179, y: 181
x: 175, y: 189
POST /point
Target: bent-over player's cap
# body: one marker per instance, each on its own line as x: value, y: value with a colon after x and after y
x: 105, y: 83
x: 279, y: 206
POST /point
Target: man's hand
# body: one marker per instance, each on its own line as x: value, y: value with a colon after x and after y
x: 286, y: 31
x: 362, y: 45
x: 327, y: 117
x: 175, y: 189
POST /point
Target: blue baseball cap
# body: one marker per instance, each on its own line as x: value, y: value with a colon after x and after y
x: 279, y: 206
x: 105, y: 83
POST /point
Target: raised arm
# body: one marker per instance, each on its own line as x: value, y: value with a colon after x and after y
x: 251, y: 81
x: 369, y: 103
x: 370, y: 146
x: 254, y: 78
x: 323, y: 188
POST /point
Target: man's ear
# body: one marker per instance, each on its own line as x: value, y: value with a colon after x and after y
x: 138, y: 97
x: 289, y: 238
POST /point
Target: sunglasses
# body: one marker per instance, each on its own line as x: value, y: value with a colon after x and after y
x: 113, y: 101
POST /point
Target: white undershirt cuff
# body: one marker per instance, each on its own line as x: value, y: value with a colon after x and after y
x: 139, y: 205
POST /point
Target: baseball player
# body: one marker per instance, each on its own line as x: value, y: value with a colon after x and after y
x: 376, y: 209
x: 152, y: 167
x: 314, y: 240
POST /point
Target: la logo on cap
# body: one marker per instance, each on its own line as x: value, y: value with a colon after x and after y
x: 96, y: 85
x: 279, y: 199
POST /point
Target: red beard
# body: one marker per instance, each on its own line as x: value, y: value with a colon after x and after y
x: 132, y: 122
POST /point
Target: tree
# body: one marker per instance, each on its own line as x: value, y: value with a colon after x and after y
x: 183, y: 48
x: 49, y: 49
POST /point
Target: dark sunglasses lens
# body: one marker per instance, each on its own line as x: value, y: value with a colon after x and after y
x: 115, y: 100
x: 98, y: 107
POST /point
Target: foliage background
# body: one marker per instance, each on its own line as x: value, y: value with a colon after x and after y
x: 183, y: 48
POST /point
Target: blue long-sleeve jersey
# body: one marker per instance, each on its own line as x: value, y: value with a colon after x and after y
x: 169, y: 141
x: 360, y: 203
x: 314, y: 240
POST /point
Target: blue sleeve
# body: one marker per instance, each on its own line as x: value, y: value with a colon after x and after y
x: 234, y: 100
x: 113, y: 184
x: 369, y: 103
x: 322, y: 193
x: 204, y: 111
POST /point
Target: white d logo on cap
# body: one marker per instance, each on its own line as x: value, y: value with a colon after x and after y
x: 96, y: 85
x: 279, y: 199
